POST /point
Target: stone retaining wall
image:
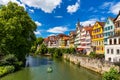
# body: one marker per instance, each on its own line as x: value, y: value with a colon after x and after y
x: 89, y: 63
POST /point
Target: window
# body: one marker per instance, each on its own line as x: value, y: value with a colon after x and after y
x: 119, y: 40
x: 114, y: 41
x: 111, y: 27
x: 111, y: 51
x: 102, y: 48
x: 118, y: 51
x: 108, y: 51
x: 109, y: 59
x: 110, y: 41
x: 108, y: 28
x: 105, y: 40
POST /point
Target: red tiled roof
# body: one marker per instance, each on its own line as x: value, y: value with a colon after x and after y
x: 112, y: 19
x: 89, y: 28
x: 73, y: 32
x: 117, y: 15
x: 101, y: 23
x: 62, y: 35
x: 66, y: 38
x: 46, y: 39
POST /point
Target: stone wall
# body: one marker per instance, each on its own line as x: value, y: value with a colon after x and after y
x: 89, y: 63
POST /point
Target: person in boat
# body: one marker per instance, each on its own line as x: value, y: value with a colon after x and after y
x: 49, y: 69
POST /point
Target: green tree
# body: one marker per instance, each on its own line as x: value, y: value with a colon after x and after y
x: 57, y: 53
x: 111, y: 75
x: 16, y: 31
x: 39, y: 41
x: 42, y: 49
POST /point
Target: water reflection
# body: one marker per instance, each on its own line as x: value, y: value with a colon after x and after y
x: 38, y: 61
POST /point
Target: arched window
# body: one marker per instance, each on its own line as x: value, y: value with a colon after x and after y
x: 115, y: 41
x: 110, y: 41
x: 109, y: 58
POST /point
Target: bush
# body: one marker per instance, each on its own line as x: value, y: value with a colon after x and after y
x: 42, y: 49
x: 92, y: 55
x: 72, y: 50
x: 51, y: 50
x: 33, y: 49
x: 57, y: 53
x: 68, y: 50
x: 10, y: 59
x: 6, y: 69
x: 99, y: 56
x: 111, y: 75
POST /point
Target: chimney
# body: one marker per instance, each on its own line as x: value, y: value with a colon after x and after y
x: 89, y: 25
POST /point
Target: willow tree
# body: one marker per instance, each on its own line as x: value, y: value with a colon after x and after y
x: 16, y: 31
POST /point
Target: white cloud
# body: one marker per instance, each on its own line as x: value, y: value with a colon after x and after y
x: 58, y: 16
x: 90, y: 21
x: 38, y: 23
x: 115, y: 8
x: 112, y: 7
x: 107, y: 4
x: 102, y: 18
x: 73, y: 8
x: 51, y: 35
x: 31, y: 10
x: 45, y: 5
x: 59, y: 29
x: 5, y: 2
x: 37, y: 32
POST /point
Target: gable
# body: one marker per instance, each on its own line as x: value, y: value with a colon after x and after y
x: 96, y: 25
x: 118, y: 18
x: 109, y: 22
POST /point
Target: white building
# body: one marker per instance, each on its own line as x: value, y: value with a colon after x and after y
x: 78, y: 35
x: 86, y: 39
x: 51, y: 42
x: 112, y: 49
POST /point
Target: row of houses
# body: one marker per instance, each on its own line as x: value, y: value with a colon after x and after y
x: 102, y: 38
x: 58, y: 41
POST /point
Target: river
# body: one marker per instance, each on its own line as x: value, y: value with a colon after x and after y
x: 36, y: 69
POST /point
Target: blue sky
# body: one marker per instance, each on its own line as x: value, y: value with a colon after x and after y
x: 60, y: 16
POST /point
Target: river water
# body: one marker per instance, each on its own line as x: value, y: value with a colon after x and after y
x: 36, y: 69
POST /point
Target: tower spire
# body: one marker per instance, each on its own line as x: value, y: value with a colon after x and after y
x: 78, y: 23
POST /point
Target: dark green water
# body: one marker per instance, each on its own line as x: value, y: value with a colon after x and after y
x: 62, y: 70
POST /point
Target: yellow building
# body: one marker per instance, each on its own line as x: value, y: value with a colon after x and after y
x: 98, y: 38
x: 72, y: 39
x: 63, y: 41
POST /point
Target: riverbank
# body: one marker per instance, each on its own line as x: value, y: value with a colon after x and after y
x: 4, y: 70
x: 62, y: 70
x: 89, y: 63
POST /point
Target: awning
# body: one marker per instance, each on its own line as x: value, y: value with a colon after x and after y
x: 79, y: 49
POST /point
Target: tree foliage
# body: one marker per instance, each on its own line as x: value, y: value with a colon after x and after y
x: 16, y: 30
x: 36, y: 44
x: 111, y: 75
x: 42, y: 49
x: 39, y: 41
